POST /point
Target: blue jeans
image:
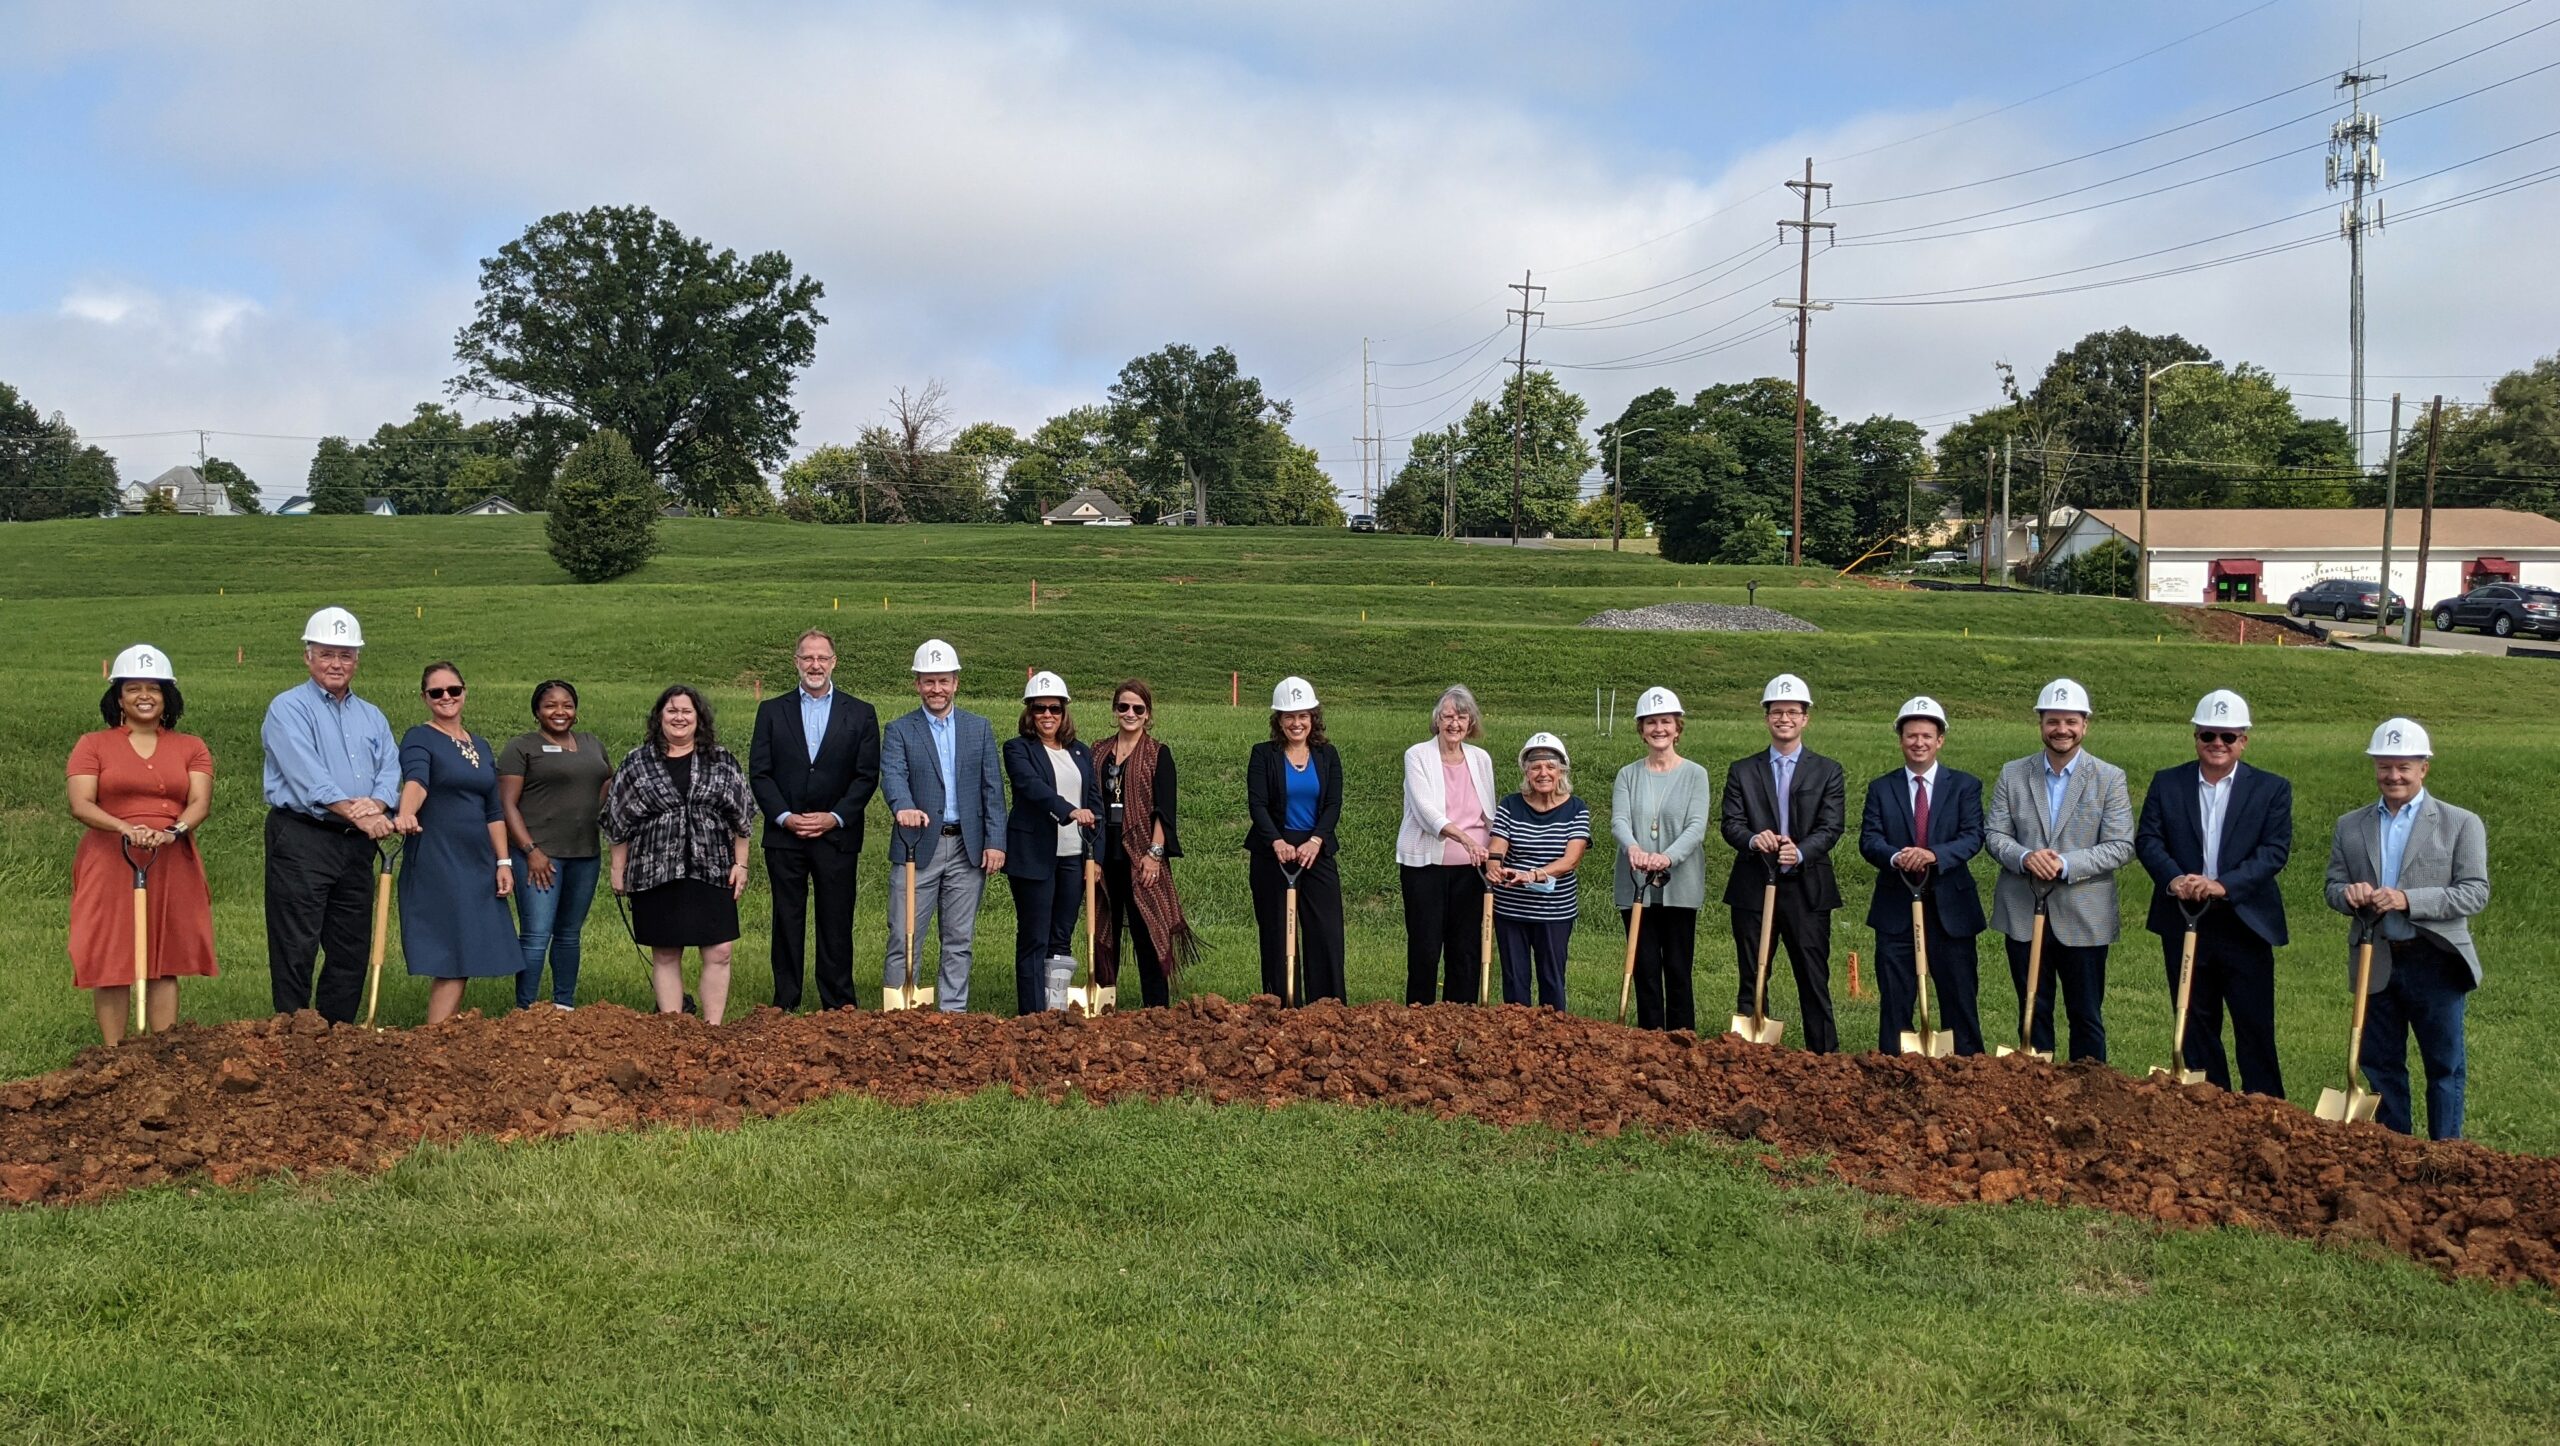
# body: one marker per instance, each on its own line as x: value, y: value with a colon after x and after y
x: 549, y: 923
x: 2429, y: 990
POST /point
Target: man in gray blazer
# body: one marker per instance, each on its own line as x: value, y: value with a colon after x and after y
x: 2422, y: 867
x: 2061, y: 820
x: 945, y: 785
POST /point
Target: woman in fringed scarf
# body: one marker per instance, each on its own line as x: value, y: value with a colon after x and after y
x: 1138, y: 845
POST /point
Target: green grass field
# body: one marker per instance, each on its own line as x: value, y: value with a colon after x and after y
x: 1310, y: 1274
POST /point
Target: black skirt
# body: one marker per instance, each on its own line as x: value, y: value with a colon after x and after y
x: 685, y: 914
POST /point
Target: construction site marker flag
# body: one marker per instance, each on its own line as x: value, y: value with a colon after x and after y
x: 239, y: 655
x: 1035, y: 594
x: 1231, y: 690
x: 839, y: 604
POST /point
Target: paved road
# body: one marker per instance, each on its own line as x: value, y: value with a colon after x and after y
x: 2357, y: 636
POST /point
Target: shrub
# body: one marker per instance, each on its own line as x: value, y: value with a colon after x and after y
x: 604, y: 510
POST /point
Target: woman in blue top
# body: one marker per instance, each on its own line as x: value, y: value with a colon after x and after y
x: 1293, y: 795
x: 1539, y: 837
x: 455, y: 871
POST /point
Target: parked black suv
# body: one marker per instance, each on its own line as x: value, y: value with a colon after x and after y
x: 2502, y: 609
x: 2343, y: 598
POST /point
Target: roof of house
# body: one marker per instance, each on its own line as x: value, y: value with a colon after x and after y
x: 2309, y: 529
x: 187, y: 488
x: 1090, y: 505
x: 379, y: 504
x: 297, y: 500
x: 489, y: 505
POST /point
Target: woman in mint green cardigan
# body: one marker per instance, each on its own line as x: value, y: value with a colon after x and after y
x: 1658, y: 814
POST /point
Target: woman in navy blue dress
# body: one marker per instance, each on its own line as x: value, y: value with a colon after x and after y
x: 455, y: 874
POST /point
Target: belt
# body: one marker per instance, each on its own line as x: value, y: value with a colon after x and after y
x: 951, y: 830
x: 331, y: 824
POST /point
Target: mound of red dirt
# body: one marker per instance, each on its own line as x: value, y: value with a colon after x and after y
x: 242, y: 1100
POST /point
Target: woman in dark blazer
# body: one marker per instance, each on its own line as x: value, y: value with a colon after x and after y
x: 1293, y: 793
x: 1046, y: 837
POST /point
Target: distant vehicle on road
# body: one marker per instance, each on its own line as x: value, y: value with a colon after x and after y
x: 1942, y: 559
x: 1363, y: 522
x: 2502, y: 610
x: 2343, y: 598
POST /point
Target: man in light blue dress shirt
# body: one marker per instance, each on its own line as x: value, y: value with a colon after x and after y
x: 332, y: 782
x: 944, y: 779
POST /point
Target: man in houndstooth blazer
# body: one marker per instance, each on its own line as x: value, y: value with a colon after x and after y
x: 2061, y: 819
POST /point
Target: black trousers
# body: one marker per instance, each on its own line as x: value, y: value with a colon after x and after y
x: 2234, y: 967
x: 1666, y: 965
x: 319, y: 906
x: 1806, y: 932
x: 1443, y: 931
x: 833, y: 871
x: 1119, y: 898
x: 2080, y: 971
x: 1955, y: 984
x: 1319, y: 925
x: 1521, y: 941
x: 1044, y: 926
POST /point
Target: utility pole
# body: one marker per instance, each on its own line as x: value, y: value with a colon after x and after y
x: 1617, y: 482
x: 1448, y: 493
x: 1804, y: 306
x: 2006, y: 451
x: 1520, y: 411
x: 2426, y: 517
x: 2142, y: 539
x: 1368, y: 438
x: 2390, y: 504
x: 2355, y: 160
x: 1985, y: 549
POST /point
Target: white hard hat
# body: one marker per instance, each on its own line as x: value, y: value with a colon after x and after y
x: 1657, y: 701
x: 142, y: 662
x: 1294, y: 695
x: 1045, y: 685
x: 2401, y: 738
x: 1786, y: 688
x: 936, y: 656
x: 334, y: 626
x: 1545, y: 743
x: 1923, y: 706
x: 2222, y: 708
x: 2063, y: 696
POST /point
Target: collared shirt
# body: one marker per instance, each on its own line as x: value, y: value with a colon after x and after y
x: 2395, y: 829
x: 946, y: 748
x: 1921, y: 783
x: 322, y: 750
x: 2213, y: 802
x: 814, y: 711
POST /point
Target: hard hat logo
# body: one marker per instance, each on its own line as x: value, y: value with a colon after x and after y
x: 2392, y: 737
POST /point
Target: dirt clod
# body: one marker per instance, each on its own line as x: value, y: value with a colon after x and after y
x: 236, y: 1102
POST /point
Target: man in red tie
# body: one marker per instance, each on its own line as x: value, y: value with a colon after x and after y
x: 1921, y: 827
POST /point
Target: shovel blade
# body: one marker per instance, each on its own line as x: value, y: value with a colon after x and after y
x: 1932, y: 1043
x: 2004, y: 1051
x: 1106, y: 996
x: 1766, y: 1031
x: 2348, y: 1105
x: 2177, y: 1076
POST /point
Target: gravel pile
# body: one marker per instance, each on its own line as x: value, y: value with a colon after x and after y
x: 1687, y: 617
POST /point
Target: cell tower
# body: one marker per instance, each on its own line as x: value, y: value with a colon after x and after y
x: 2355, y: 161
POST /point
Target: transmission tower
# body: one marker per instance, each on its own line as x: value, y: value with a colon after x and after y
x: 2355, y: 161
x: 1527, y: 312
x: 1368, y: 438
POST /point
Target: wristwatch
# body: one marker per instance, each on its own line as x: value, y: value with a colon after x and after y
x: 178, y: 830
x: 505, y: 863
x: 1155, y: 851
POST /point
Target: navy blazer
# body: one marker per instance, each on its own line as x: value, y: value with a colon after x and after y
x: 1031, y: 826
x: 1955, y: 836
x: 2257, y: 837
x: 840, y: 780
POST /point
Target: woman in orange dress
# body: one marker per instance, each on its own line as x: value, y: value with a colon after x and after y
x: 136, y: 782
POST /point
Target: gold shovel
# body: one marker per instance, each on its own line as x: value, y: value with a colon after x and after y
x: 1635, y: 931
x: 1093, y: 997
x: 2355, y: 1102
x: 1757, y: 1027
x: 1484, y: 961
x: 2035, y: 982
x: 1289, y: 985
x: 2177, y: 1070
x: 141, y: 933
x: 384, y: 851
x: 1928, y: 1039
x: 909, y: 995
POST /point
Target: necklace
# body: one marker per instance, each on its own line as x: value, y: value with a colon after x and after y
x: 463, y: 746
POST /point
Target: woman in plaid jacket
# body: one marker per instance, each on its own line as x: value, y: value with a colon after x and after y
x: 679, y: 815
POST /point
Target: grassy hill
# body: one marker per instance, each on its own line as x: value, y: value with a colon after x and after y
x: 1311, y: 1273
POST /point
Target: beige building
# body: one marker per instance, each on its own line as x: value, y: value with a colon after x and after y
x: 2266, y: 554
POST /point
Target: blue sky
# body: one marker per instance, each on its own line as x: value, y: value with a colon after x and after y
x: 265, y: 218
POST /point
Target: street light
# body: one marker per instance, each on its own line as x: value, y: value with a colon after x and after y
x: 1618, y: 478
x: 2142, y: 539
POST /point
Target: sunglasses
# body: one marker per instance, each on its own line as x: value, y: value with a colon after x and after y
x: 453, y: 692
x: 2210, y: 736
x: 1138, y: 710
x: 1039, y: 709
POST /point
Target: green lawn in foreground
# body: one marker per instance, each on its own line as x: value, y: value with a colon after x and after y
x: 1000, y: 1270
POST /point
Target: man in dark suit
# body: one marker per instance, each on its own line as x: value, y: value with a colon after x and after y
x: 2216, y: 834
x: 814, y: 764
x: 1786, y: 806
x: 1924, y: 820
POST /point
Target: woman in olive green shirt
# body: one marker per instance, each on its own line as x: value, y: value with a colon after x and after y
x: 551, y: 785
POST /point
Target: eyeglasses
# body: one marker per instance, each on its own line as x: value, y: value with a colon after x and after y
x: 2204, y: 735
x: 1134, y: 710
x: 453, y: 692
x: 1047, y: 709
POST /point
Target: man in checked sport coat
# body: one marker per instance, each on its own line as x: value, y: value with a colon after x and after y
x: 1890, y: 836
x: 2062, y: 819
x: 2422, y: 866
x: 813, y: 765
x: 2214, y: 834
x: 1793, y: 828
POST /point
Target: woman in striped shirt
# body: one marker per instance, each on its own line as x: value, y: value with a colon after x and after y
x: 1539, y: 835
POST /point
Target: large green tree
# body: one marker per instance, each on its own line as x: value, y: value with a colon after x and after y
x: 235, y: 484
x: 623, y: 321
x: 2503, y: 453
x: 415, y: 462
x: 1180, y: 415
x: 336, y: 481
x: 2231, y: 438
x: 603, y: 519
x: 1066, y: 454
x: 1710, y: 465
x: 45, y: 469
x: 1468, y: 465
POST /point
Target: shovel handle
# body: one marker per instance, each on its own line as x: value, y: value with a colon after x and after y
x: 2035, y: 980
x: 1484, y: 957
x: 141, y: 954
x: 1289, y: 977
x: 1760, y: 972
x: 2186, y: 987
x: 2366, y: 922
x: 1635, y: 931
x: 375, y: 947
x: 911, y: 924
x: 1920, y: 968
